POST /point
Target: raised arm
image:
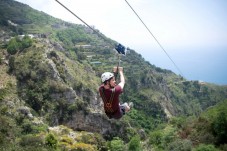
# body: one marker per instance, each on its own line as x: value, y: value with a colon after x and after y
x: 122, y: 78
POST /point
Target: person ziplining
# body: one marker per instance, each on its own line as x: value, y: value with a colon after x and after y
x: 110, y: 92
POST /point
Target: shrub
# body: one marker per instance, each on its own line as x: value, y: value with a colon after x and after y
x: 31, y: 140
x: 220, y: 127
x: 13, y: 47
x: 130, y: 132
x: 67, y: 140
x: 116, y: 145
x: 15, y: 44
x: 26, y: 42
x: 83, y: 147
x: 2, y: 94
x: 1, y: 60
x: 11, y: 63
x: 26, y: 127
x: 134, y: 144
x: 51, y: 141
x: 204, y: 147
x: 178, y: 121
x: 156, y: 138
x: 180, y: 145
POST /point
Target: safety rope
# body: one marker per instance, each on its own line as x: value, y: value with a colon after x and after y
x: 118, y: 65
x: 108, y: 103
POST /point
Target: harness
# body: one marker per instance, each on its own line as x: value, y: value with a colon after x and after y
x: 108, y: 103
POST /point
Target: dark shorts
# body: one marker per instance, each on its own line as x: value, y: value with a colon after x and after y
x: 122, y: 109
x: 117, y: 114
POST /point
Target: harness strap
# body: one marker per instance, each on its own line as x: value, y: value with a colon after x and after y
x: 108, y: 103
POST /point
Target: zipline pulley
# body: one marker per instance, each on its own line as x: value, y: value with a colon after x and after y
x: 120, y: 49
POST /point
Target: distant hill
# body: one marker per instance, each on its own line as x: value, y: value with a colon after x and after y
x: 50, y: 72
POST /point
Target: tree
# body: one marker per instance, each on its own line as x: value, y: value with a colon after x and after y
x: 220, y: 127
x: 13, y: 46
x: 26, y: 42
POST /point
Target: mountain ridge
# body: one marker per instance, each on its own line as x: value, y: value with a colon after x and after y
x: 50, y: 78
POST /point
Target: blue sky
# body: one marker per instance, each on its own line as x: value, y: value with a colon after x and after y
x: 193, y: 32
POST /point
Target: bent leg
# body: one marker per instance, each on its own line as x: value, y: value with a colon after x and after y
x: 125, y: 107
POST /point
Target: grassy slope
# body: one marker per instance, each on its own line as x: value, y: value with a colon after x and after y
x: 147, y: 85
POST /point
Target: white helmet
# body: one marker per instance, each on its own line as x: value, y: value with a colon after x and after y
x: 106, y: 76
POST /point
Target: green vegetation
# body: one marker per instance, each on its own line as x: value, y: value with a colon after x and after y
x: 51, y: 141
x: 73, y: 35
x: 52, y: 80
x: 134, y: 144
x: 191, y: 133
x: 17, y: 45
x: 117, y: 145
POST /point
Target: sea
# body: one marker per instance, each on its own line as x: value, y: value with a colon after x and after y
x: 207, y: 65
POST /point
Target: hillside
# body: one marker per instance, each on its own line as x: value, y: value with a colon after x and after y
x: 50, y: 73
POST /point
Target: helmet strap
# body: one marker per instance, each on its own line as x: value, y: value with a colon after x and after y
x: 108, y: 83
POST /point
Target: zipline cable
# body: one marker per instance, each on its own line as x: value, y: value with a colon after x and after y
x: 155, y: 38
x: 120, y: 49
x: 84, y: 22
